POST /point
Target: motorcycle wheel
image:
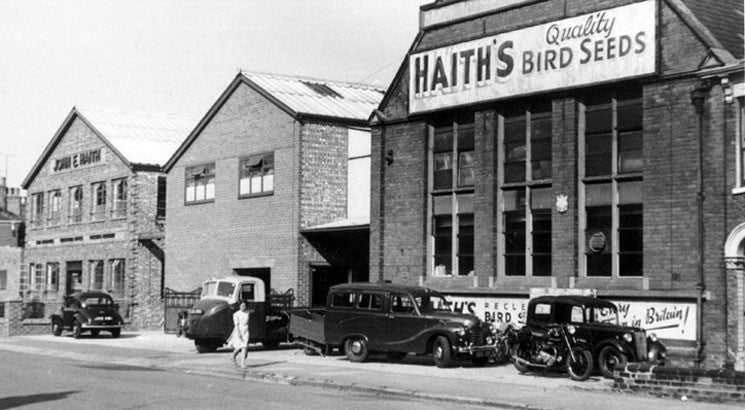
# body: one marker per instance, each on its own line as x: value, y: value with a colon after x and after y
x: 608, y: 359
x: 502, y: 353
x: 519, y: 352
x: 579, y: 368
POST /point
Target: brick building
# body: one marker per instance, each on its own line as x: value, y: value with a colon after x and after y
x: 96, y: 208
x: 274, y: 183
x: 553, y: 146
x: 12, y: 207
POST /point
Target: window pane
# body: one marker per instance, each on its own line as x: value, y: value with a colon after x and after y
x: 540, y: 128
x: 598, y: 120
x: 244, y: 186
x: 540, y: 198
x: 465, y: 137
x: 210, y: 189
x: 514, y: 265
x: 631, y: 264
x: 630, y: 152
x: 269, y: 183
x: 514, y: 199
x: 541, y: 265
x: 630, y: 192
x: 630, y: 116
x: 514, y: 232
x: 514, y: 129
x: 466, y: 175
x: 443, y: 140
x: 443, y: 174
x: 514, y: 172
x: 599, y: 265
x: 598, y: 218
x: 598, y: 194
x: 515, y: 151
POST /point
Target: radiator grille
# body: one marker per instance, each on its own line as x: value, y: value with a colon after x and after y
x: 641, y: 345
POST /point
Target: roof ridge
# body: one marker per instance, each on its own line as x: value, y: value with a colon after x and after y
x: 249, y: 73
x: 119, y: 110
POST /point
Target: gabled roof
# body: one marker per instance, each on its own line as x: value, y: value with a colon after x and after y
x: 137, y: 138
x: 299, y: 97
x: 723, y: 19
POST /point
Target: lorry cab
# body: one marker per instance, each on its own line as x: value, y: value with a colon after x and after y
x: 210, y: 320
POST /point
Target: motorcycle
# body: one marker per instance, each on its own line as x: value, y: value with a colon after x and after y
x: 506, y: 338
x: 555, y: 348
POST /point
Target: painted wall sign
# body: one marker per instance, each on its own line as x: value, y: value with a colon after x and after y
x: 79, y: 160
x: 599, y: 47
x: 668, y: 320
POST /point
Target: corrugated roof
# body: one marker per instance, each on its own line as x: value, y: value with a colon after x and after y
x: 724, y: 19
x: 350, y: 223
x: 142, y: 138
x: 319, y: 97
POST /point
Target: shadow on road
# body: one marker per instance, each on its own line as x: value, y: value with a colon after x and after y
x: 18, y: 401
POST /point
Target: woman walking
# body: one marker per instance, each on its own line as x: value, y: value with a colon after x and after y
x: 239, y: 338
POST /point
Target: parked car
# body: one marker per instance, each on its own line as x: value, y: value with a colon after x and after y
x: 210, y: 321
x: 360, y: 318
x: 91, y: 311
x: 595, y: 323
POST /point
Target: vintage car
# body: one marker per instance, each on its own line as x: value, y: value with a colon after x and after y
x: 91, y: 311
x: 360, y: 318
x: 595, y: 322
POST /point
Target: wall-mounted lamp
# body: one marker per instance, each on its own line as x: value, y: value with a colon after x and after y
x: 389, y: 157
x: 698, y: 95
x: 729, y: 94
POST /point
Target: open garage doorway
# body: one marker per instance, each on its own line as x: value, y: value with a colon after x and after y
x: 322, y: 278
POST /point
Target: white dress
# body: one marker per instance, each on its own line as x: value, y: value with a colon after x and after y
x: 239, y: 337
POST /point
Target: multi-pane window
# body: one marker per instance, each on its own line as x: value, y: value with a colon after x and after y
x: 740, y: 147
x: 37, y: 210
x: 612, y: 183
x: 76, y: 204
x: 3, y: 280
x: 526, y: 195
x: 55, y: 207
x: 98, y: 206
x: 256, y: 175
x: 52, y: 276
x: 119, y: 200
x: 117, y: 275
x: 97, y: 275
x: 160, y: 211
x: 451, y: 189
x: 38, y: 281
x: 200, y: 183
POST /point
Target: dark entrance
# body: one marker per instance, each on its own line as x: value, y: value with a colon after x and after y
x: 74, y: 276
x: 321, y: 279
x: 264, y: 274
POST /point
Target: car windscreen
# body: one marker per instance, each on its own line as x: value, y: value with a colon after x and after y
x: 225, y: 289
x: 604, y: 315
x: 432, y: 303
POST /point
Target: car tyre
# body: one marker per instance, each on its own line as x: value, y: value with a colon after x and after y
x: 56, y: 328
x: 396, y: 356
x: 115, y: 333
x: 580, y: 368
x: 270, y: 344
x: 204, y: 346
x: 608, y: 359
x: 356, y: 349
x: 441, y: 352
x: 77, y: 329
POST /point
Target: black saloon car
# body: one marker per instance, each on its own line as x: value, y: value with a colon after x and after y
x: 91, y: 311
x: 595, y: 322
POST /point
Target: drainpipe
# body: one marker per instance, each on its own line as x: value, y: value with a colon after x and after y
x: 384, y: 158
x: 698, y: 96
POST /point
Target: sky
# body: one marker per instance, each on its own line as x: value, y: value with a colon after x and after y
x: 176, y: 56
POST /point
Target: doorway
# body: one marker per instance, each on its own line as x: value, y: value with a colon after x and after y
x: 321, y: 279
x: 74, y: 277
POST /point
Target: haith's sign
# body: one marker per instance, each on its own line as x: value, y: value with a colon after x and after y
x: 79, y: 160
x: 608, y: 45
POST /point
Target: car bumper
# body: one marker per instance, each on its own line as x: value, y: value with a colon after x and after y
x: 485, y: 350
x: 84, y: 326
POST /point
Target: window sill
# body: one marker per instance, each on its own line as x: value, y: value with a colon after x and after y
x: 206, y: 201
x: 258, y: 195
x: 738, y: 191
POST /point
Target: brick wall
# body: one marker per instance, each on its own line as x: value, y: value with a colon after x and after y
x: 681, y: 383
x: 211, y: 239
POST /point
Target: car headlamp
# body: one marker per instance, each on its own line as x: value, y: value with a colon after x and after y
x: 461, y: 331
x: 571, y: 329
x: 492, y: 328
x: 653, y: 337
x: 628, y: 337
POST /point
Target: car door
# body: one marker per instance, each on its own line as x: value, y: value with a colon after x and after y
x: 405, y: 325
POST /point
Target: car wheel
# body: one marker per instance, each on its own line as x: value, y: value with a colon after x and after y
x: 518, y: 355
x: 579, y: 367
x: 205, y: 346
x: 441, y: 352
x: 608, y: 359
x: 56, y: 328
x: 115, y: 333
x: 94, y: 333
x: 396, y: 356
x: 309, y: 351
x: 356, y: 349
x: 270, y: 344
x: 77, y: 329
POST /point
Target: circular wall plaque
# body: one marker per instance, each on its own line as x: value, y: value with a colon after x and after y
x: 597, y: 242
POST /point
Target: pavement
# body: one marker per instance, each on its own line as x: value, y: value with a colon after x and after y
x: 498, y: 386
